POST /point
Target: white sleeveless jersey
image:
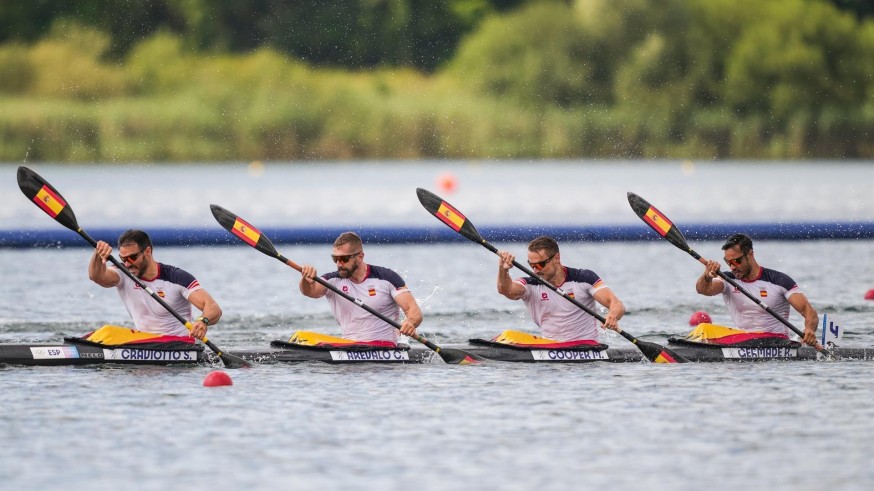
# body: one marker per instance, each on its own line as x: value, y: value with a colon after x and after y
x: 173, y: 285
x: 558, y: 318
x: 773, y: 288
x: 377, y: 291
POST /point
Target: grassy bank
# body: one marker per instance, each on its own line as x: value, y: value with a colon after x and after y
x: 577, y: 92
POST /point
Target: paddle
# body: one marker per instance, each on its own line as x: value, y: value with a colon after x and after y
x: 449, y: 215
x: 669, y: 231
x: 50, y: 201
x: 255, y: 238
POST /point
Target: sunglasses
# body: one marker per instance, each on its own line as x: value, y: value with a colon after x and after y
x: 344, y: 259
x: 735, y: 261
x: 540, y: 264
x: 131, y: 257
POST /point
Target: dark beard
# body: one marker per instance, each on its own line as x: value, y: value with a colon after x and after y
x: 347, y: 272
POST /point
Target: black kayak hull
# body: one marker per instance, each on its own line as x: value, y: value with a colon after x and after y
x: 66, y: 354
x: 703, y: 354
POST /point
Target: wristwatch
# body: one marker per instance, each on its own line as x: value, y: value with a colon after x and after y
x: 203, y: 319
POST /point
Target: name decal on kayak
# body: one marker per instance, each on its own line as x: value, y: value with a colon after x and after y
x: 567, y: 355
x: 756, y: 353
x: 371, y: 355
x: 126, y: 354
x: 50, y: 352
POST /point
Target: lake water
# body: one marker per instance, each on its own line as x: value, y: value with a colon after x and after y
x: 793, y: 425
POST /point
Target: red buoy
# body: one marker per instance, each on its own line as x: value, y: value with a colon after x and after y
x: 217, y: 378
x: 447, y: 182
x: 700, y: 317
x: 869, y: 295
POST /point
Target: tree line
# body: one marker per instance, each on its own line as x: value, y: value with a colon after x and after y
x: 194, y: 79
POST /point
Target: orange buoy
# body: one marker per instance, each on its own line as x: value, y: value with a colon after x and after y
x: 447, y: 182
x: 217, y: 378
x: 869, y: 295
x: 700, y: 317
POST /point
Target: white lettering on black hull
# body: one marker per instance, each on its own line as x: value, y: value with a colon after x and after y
x: 759, y: 353
x: 127, y: 354
x: 371, y: 355
x: 567, y: 355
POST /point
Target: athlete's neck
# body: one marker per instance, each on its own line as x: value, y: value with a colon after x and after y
x: 559, y: 276
x: 754, y: 274
x: 360, y: 273
x: 150, y: 272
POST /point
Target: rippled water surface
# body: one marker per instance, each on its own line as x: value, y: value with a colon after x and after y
x: 502, y: 426
x: 778, y: 425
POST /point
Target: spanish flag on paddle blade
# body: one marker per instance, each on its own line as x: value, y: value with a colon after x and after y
x: 49, y: 201
x: 246, y: 232
x: 657, y: 221
x: 664, y: 357
x: 450, y: 216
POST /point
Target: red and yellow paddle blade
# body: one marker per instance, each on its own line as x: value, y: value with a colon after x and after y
x: 458, y: 357
x: 243, y: 230
x: 50, y: 201
x: 665, y: 357
x: 46, y: 197
x: 246, y: 232
x: 658, y: 221
x: 448, y: 214
x: 654, y: 352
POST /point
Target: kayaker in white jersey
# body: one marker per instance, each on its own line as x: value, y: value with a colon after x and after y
x: 775, y: 289
x: 175, y: 286
x: 380, y: 288
x: 559, y: 319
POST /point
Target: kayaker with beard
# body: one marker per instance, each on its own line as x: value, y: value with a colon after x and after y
x: 380, y: 288
x: 775, y: 289
x: 178, y: 288
x: 559, y: 319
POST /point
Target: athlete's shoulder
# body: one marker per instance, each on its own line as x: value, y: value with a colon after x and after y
x: 778, y: 278
x: 386, y: 274
x: 582, y: 276
x: 530, y: 280
x: 331, y: 275
x: 177, y: 276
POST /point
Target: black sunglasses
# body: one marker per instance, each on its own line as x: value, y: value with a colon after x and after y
x: 541, y: 264
x: 735, y: 261
x: 344, y: 259
x: 131, y: 257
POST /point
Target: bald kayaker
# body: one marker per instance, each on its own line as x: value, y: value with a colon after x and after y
x: 378, y: 287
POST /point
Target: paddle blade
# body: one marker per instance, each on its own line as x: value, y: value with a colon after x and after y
x: 657, y: 221
x: 243, y: 230
x: 448, y: 214
x: 459, y: 357
x: 46, y: 197
x: 658, y: 354
x: 233, y: 361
